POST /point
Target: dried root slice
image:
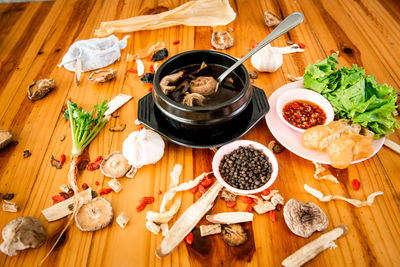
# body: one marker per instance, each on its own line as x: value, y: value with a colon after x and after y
x: 270, y: 19
x: 122, y: 219
x: 115, y: 185
x: 164, y: 229
x: 152, y: 227
x: 188, y: 221
x: 230, y: 217
x: 131, y: 173
x: 5, y: 138
x: 234, y: 235
x: 312, y: 249
x: 140, y: 66
x: 65, y: 188
x: 264, y: 207
x: 222, y: 40
x: 78, y: 72
x: 176, y: 172
x: 303, y: 219
x: 354, y: 202
x: 65, y: 207
x: 270, y: 195
x: 166, y: 216
x: 319, y: 169
x: 116, y: 103
x: 210, y: 229
x: 9, y: 206
x: 115, y: 165
x: 94, y: 214
x: 102, y: 76
x: 38, y: 89
x: 228, y: 196
x: 277, y: 199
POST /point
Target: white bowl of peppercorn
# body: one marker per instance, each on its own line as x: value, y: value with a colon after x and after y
x: 245, y: 167
x: 301, y: 109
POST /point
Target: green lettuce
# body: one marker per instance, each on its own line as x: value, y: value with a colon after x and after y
x: 354, y: 95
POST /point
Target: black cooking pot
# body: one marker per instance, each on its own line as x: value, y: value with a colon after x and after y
x: 198, y: 119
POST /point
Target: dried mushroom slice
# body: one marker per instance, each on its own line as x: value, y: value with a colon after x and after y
x: 94, y: 214
x: 303, y: 219
x: 102, y: 76
x: 38, y: 89
x: 222, y: 40
x: 115, y: 165
x: 270, y: 19
x: 5, y: 138
x: 234, y: 235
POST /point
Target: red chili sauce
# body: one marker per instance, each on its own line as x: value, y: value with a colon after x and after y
x: 303, y: 114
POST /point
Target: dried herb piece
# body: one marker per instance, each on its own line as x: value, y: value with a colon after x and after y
x: 160, y: 55
x: 8, y: 196
x: 148, y: 78
x: 55, y: 163
x: 119, y: 128
x: 27, y: 153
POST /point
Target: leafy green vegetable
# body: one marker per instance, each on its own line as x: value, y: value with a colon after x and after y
x: 84, y: 125
x: 354, y: 95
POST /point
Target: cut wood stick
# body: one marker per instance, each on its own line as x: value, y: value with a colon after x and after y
x: 312, y: 249
x: 392, y: 145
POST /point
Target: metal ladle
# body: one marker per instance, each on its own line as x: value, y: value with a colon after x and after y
x: 286, y: 25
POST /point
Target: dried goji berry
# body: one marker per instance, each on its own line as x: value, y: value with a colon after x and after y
x: 272, y: 215
x: 105, y: 191
x: 152, y: 69
x: 99, y: 159
x: 332, y: 51
x: 301, y: 45
x: 249, y: 208
x: 247, y: 200
x: 207, y: 182
x: 97, y: 183
x: 150, y: 89
x: 63, y: 158
x: 202, y: 190
x: 148, y: 58
x: 255, y: 200
x: 84, y: 186
x: 197, y: 196
x: 132, y: 70
x: 159, y: 192
x: 57, y: 199
x: 141, y: 207
x: 266, y: 192
x: 93, y: 166
x: 189, y: 239
x: 194, y: 189
x: 231, y: 204
x: 176, y: 42
x: 278, y: 207
x: 146, y: 200
x: 356, y: 184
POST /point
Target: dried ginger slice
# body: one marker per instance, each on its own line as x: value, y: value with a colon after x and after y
x: 176, y: 172
x: 192, y: 13
x: 319, y: 169
x: 354, y: 202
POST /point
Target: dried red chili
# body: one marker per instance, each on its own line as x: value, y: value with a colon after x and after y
x: 249, y: 208
x: 189, y: 239
x: 63, y: 158
x: 301, y: 45
x: 105, y: 191
x: 85, y: 186
x: 176, y: 42
x: 57, y: 199
x: 272, y: 215
x: 231, y: 204
x: 194, y: 189
x: 303, y: 114
x: 202, y: 190
x: 356, y: 184
x: 247, y: 200
x: 146, y: 200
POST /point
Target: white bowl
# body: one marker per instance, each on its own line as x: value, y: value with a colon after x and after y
x: 308, y: 95
x: 228, y: 148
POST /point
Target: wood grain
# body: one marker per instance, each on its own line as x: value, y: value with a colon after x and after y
x: 35, y: 36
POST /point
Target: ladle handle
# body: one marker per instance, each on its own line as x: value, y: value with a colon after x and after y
x: 286, y: 25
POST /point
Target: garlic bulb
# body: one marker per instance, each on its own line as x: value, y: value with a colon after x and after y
x: 268, y: 59
x: 143, y: 147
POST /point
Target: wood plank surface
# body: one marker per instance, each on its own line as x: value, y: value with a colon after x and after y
x: 35, y: 36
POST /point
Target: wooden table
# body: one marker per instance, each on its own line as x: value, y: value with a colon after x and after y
x: 35, y: 36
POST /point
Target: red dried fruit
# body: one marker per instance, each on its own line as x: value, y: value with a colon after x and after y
x: 132, y: 70
x: 99, y: 159
x: 150, y: 89
x: 278, y: 207
x: 249, y: 208
x: 148, y: 58
x: 194, y: 189
x: 176, y: 42
x: 93, y: 166
x: 159, y: 192
x: 301, y: 45
x: 231, y: 204
x: 146, y: 200
x: 202, y: 190
x: 266, y: 192
x: 356, y: 184
x: 272, y: 215
x: 152, y: 69
x: 247, y: 200
x: 141, y: 207
x: 105, y: 191
x: 197, y: 196
x: 189, y: 239
x: 332, y: 51
x: 85, y: 186
x: 141, y: 128
x: 207, y: 182
x: 97, y: 183
x: 57, y: 199
x: 63, y: 158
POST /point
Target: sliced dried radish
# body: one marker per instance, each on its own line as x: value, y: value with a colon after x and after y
x: 230, y: 217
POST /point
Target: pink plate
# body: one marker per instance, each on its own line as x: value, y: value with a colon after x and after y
x: 291, y: 139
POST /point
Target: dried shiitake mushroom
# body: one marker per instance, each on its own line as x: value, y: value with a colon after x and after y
x: 38, y: 89
x: 102, y: 76
x: 222, y: 40
x: 5, y: 138
x: 115, y: 165
x: 303, y: 219
x: 234, y: 235
x: 270, y: 19
x: 22, y: 233
x: 94, y: 215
